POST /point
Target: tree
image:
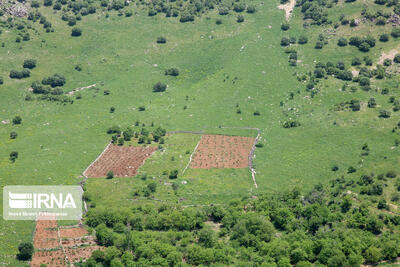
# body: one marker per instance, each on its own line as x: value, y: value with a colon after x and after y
x: 29, y: 63
x: 285, y: 26
x: 285, y: 41
x: 159, y: 87
x: 251, y: 9
x: 395, y: 32
x: 13, y: 135
x: 110, y: 175
x: 342, y: 41
x: 371, y: 102
x: 172, y: 72
x: 161, y: 40
x: 384, y: 37
x: 372, y: 255
x: 384, y: 114
x: 173, y: 174
x: 396, y: 58
x: 152, y: 187
x: 1, y: 80
x: 206, y: 238
x: 76, y: 32
x: 17, y: 120
x: 240, y: 18
x: 302, y: 39
x: 25, y: 251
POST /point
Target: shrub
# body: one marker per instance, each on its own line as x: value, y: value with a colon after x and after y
x: 356, y: 61
x: 223, y: 11
x: 152, y: 12
x: 55, y: 80
x: 319, y: 45
x: 112, y: 109
x: 351, y: 169
x: 384, y: 114
x: 25, y: 73
x: 395, y: 32
x: 172, y: 72
x: 285, y: 26
x: 251, y: 9
x: 387, y: 62
x: 239, y: 7
x: 396, y: 58
x: 384, y: 37
x: 17, y: 120
x: 240, y: 19
x: 185, y: 17
x: 29, y: 63
x: 285, y: 41
x: 25, y: 251
x: 1, y: 80
x: 48, y: 2
x: 302, y: 39
x: 159, y: 87
x: 391, y: 174
x: 364, y: 47
x: 218, y: 22
x: 110, y: 175
x: 13, y: 156
x: 342, y: 42
x: 13, y: 135
x: 142, y: 108
x: 76, y: 32
x: 173, y: 174
x: 371, y: 103
x: 256, y: 113
x: 161, y: 40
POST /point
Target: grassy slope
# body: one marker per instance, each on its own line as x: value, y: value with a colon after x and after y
x: 57, y: 142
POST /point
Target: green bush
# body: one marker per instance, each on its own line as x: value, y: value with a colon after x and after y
x: 76, y: 32
x: 159, y: 87
x: 161, y: 40
x: 29, y: 63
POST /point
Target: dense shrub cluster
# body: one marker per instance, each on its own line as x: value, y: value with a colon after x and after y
x: 323, y: 227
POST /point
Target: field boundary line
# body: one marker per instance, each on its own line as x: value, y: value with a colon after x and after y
x: 253, y: 148
x: 191, y: 156
x: 83, y: 173
x: 83, y: 181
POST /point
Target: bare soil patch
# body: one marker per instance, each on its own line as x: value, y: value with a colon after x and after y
x: 123, y: 161
x: 50, y: 258
x: 73, y: 232
x: 389, y: 55
x: 221, y: 151
x: 288, y: 8
x: 76, y: 254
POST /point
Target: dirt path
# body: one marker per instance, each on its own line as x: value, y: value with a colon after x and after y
x: 80, y: 89
x: 288, y: 8
x: 389, y: 55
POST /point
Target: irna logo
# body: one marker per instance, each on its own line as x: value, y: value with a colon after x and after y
x: 41, y: 200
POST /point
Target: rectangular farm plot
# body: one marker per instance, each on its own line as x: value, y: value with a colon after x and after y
x: 221, y: 151
x: 122, y: 160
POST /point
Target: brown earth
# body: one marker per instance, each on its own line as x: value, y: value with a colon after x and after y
x: 123, y: 161
x: 57, y: 246
x: 220, y: 151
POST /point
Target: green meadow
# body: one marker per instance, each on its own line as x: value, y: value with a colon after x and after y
x: 222, y: 68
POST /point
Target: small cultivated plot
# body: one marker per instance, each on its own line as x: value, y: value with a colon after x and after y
x: 121, y: 160
x: 61, y: 245
x: 221, y: 151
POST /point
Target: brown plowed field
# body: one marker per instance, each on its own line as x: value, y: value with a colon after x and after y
x: 75, y: 241
x: 76, y: 254
x: 73, y: 232
x: 221, y: 151
x: 54, y: 258
x: 123, y: 161
x: 46, y: 235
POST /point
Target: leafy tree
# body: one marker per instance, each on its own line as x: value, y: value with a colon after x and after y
x: 173, y: 174
x: 17, y: 120
x: 159, y: 87
x: 302, y: 39
x: 29, y: 63
x: 285, y: 41
x: 152, y: 187
x: 342, y: 41
x: 172, y: 72
x: 161, y: 40
x: 13, y: 135
x: 285, y: 26
x: 240, y: 18
x: 76, y: 32
x: 25, y: 250
x: 110, y: 175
